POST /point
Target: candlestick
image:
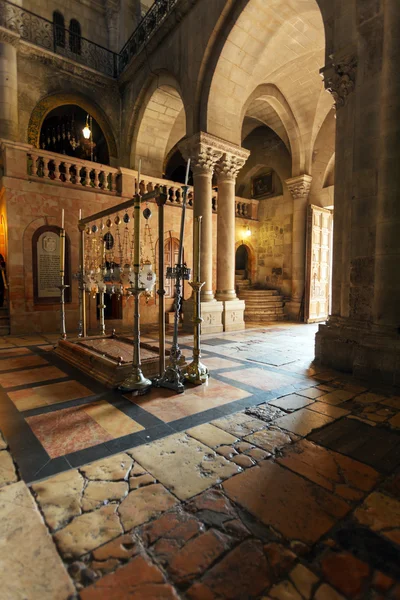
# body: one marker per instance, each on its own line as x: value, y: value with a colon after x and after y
x: 62, y: 218
x: 187, y: 171
x: 80, y: 214
x: 137, y: 191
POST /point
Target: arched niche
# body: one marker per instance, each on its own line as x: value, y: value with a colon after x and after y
x: 49, y: 103
x: 46, y: 265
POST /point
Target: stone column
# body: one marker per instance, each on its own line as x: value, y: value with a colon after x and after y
x: 299, y: 188
x: 8, y: 85
x: 204, y: 152
x: 227, y: 170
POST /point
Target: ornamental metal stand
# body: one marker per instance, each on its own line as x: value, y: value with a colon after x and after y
x: 62, y: 287
x: 196, y: 372
x: 81, y: 279
x: 172, y: 377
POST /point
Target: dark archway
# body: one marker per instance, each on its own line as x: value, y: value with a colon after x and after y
x: 242, y: 261
x: 61, y: 132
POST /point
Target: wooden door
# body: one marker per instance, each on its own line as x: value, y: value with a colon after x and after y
x: 318, y: 264
x: 171, y: 257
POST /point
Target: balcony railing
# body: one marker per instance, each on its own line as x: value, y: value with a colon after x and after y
x: 44, y: 33
x: 150, y: 22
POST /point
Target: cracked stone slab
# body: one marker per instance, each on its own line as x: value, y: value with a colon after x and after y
x: 60, y: 497
x: 89, y: 531
x: 270, y: 439
x: 3, y: 443
x: 8, y: 473
x: 292, y: 402
x: 339, y: 474
x: 382, y: 514
x: 185, y: 466
x: 30, y: 565
x: 239, y: 424
x: 211, y: 436
x: 113, y: 468
x: 101, y: 492
x: 143, y: 504
x: 304, y: 421
x: 298, y: 509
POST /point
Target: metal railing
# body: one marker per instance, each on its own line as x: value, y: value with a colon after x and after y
x: 147, y: 26
x: 46, y: 34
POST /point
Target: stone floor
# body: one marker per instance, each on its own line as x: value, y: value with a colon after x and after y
x: 280, y: 480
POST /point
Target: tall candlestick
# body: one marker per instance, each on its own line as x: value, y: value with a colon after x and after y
x: 137, y: 191
x: 187, y: 171
x: 80, y: 214
x: 62, y: 218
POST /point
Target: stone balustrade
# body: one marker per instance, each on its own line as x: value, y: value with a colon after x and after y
x: 246, y: 209
x: 67, y: 170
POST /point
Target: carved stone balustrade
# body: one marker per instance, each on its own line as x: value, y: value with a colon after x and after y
x: 246, y: 209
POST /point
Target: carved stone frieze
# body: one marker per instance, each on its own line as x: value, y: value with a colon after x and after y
x: 299, y: 186
x: 340, y: 78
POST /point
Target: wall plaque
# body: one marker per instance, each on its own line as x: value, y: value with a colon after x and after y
x: 46, y: 265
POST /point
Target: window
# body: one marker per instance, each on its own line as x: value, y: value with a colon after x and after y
x: 59, y: 29
x: 75, y: 37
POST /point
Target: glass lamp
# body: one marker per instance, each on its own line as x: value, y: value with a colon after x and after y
x: 86, y: 130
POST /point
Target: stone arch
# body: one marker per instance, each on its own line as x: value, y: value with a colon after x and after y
x: 159, y: 124
x: 277, y: 115
x: 252, y: 259
x: 48, y: 103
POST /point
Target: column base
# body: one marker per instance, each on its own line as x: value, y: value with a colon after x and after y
x: 367, y: 351
x: 233, y: 315
x: 211, y: 313
x: 293, y: 310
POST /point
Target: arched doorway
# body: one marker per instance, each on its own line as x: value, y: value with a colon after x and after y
x: 242, y: 261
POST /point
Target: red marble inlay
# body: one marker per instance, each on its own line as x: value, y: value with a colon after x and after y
x: 67, y: 430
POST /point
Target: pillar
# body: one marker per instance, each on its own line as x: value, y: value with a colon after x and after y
x: 299, y: 188
x: 227, y: 169
x: 362, y: 335
x: 8, y: 85
x: 204, y: 152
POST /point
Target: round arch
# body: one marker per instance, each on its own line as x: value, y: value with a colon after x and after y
x: 159, y: 122
x: 49, y: 103
x: 251, y: 259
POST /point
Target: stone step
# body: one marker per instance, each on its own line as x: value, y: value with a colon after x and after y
x: 263, y: 318
x: 263, y: 305
x: 256, y: 294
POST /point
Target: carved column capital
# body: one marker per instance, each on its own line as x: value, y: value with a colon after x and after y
x: 230, y: 164
x: 9, y: 37
x: 340, y: 78
x: 299, y: 186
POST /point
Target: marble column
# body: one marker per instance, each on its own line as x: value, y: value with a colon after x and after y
x: 204, y: 152
x: 227, y: 170
x: 299, y: 188
x: 8, y: 85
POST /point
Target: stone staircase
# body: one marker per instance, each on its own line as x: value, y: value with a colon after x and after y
x: 4, y: 321
x: 261, y: 305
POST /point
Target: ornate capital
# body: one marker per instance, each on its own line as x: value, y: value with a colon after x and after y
x: 9, y: 37
x: 340, y: 78
x: 230, y: 164
x: 299, y: 186
x: 205, y: 151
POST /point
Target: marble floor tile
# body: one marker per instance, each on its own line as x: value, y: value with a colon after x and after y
x: 14, y: 352
x: 112, y: 420
x: 336, y: 397
x: 143, y: 504
x: 303, y: 421
x: 185, y: 466
x: 46, y: 395
x: 68, y: 430
x: 270, y: 439
x: 59, y: 497
x: 21, y: 362
x: 168, y: 406
x: 112, y: 468
x: 239, y: 424
x: 339, y: 474
x: 30, y: 564
x: 213, y: 363
x: 311, y: 392
x: 9, y: 380
x: 295, y: 507
x: 260, y: 379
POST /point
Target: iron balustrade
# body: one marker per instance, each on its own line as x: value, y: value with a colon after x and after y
x: 147, y: 26
x: 46, y: 34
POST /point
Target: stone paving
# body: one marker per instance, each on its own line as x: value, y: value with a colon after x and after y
x: 289, y: 499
